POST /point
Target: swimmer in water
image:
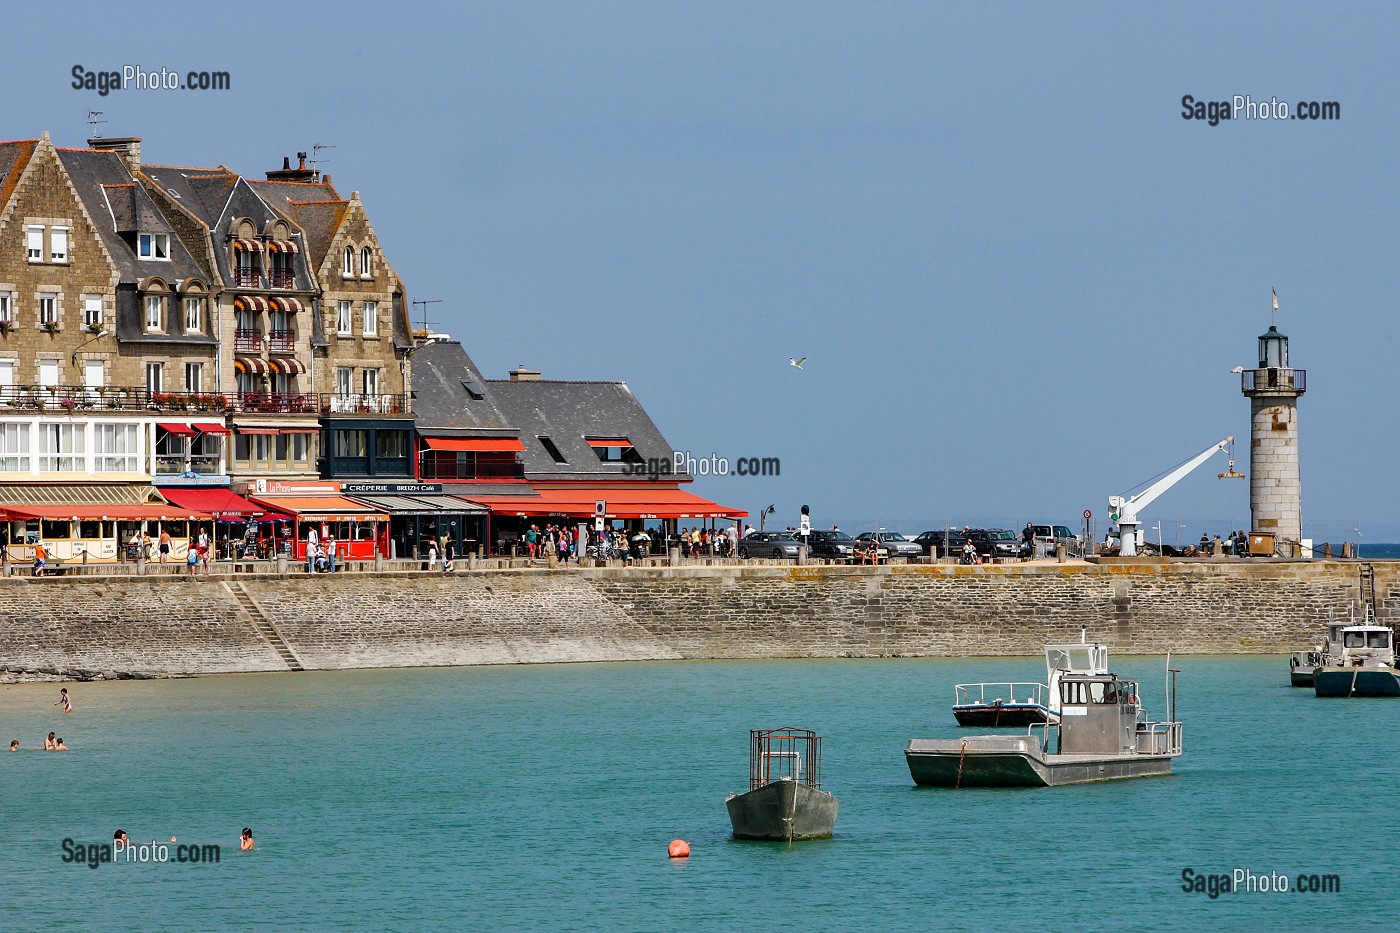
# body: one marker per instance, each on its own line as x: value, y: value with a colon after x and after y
x: 59, y: 746
x: 14, y: 745
x: 49, y: 743
x: 246, y: 842
x: 119, y: 839
x: 65, y: 701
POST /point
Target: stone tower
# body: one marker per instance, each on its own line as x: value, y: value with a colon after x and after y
x: 1274, y: 490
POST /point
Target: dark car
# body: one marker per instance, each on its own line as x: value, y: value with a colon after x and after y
x: 836, y: 545
x: 941, y: 543
x: 995, y: 542
x: 893, y: 542
x: 768, y: 544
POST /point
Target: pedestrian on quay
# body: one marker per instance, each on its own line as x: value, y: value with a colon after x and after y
x: 192, y: 557
x: 1028, y: 540
x: 41, y: 558
x: 532, y: 541
x: 432, y: 553
x: 331, y: 547
x: 313, y: 541
x: 164, y: 545
x: 447, y: 562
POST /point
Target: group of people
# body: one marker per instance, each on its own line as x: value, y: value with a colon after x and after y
x: 446, y: 557
x: 52, y: 743
x: 320, y: 555
x: 558, y: 540
x: 702, y: 542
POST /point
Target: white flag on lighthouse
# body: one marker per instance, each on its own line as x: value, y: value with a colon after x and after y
x: 1275, y: 291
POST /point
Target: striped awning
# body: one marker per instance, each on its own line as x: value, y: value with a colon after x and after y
x: 286, y: 304
x: 251, y: 364
x: 287, y: 366
x: 243, y: 430
x: 283, y: 246
x: 250, y: 245
x: 251, y: 303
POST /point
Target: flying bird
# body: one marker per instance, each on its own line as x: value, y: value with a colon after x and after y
x: 797, y: 363
x: 1237, y: 370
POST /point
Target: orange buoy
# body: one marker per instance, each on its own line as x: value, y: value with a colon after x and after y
x: 679, y: 849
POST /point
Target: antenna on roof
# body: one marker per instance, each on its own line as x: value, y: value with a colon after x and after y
x: 426, y: 323
x: 316, y: 154
x: 93, y: 122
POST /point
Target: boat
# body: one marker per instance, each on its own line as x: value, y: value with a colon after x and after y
x: 1363, y: 667
x: 995, y: 704
x: 1301, y: 664
x: 1103, y: 734
x: 784, y: 801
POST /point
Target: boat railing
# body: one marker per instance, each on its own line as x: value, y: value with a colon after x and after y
x: 1159, y: 738
x: 786, y: 754
x: 1046, y: 731
x: 1307, y: 660
x: 1000, y: 692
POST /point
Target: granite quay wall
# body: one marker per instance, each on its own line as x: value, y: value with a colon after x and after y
x: 171, y: 626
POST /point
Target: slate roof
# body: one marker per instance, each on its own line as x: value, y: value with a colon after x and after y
x: 319, y: 220
x: 14, y: 157
x: 570, y: 412
x: 201, y: 191
x: 442, y: 405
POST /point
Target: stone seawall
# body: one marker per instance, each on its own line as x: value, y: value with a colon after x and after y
x: 172, y: 626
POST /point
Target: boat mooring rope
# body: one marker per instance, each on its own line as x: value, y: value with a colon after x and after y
x: 961, y: 756
x: 1354, y: 674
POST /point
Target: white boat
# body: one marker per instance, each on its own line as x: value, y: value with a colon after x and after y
x: 1010, y: 703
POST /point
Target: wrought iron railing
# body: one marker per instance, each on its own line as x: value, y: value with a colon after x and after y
x: 281, y: 341
x: 288, y: 402
x: 281, y: 278
x: 115, y: 398
x: 247, y: 340
x: 1262, y: 380
x: 364, y: 404
x: 246, y: 278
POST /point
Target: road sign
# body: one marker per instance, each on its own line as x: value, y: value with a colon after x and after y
x: 600, y: 507
x: 1088, y: 514
x: 598, y: 523
x: 806, y: 525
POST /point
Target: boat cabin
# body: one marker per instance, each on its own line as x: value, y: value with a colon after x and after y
x: 1098, y: 715
x: 1367, y: 645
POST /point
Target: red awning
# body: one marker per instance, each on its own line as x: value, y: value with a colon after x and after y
x: 251, y: 303
x: 623, y: 502
x: 322, y: 508
x: 611, y: 442
x: 301, y: 430
x: 251, y: 364
x: 212, y: 429
x: 473, y: 443
x: 289, y: 366
x: 221, y: 503
x: 181, y: 430
x: 243, y: 430
x: 150, y: 511
x: 286, y: 304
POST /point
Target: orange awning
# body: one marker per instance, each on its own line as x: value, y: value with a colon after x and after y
x: 609, y: 442
x: 322, y: 508
x: 473, y: 443
x: 623, y: 502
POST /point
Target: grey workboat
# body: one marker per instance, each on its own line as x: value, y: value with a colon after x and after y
x: 1103, y: 734
x: 784, y: 801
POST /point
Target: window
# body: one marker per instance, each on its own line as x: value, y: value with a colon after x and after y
x: 246, y: 383
x: 116, y: 448
x: 365, y: 263
x: 194, y: 315
x: 344, y: 381
x: 194, y: 377
x: 14, y: 448
x: 7, y: 308
x: 351, y: 443
x: 48, y: 309
x: 153, y: 245
x: 371, y: 381
x: 34, y: 240
x: 343, y: 324
x: 61, y: 448
x: 48, y: 372
x: 391, y: 444
x: 371, y: 318
x: 282, y: 383
x: 7, y: 373
x: 94, y: 374
x: 348, y: 266
x: 92, y: 310
x: 58, y: 244
x: 153, y: 312
x: 154, y: 374
x: 552, y: 448
x: 301, y: 447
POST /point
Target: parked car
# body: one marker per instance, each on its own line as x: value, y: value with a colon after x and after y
x: 995, y: 542
x: 768, y: 544
x: 933, y: 543
x: 893, y: 542
x: 1048, y: 536
x: 833, y: 544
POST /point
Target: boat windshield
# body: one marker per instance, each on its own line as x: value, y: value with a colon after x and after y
x: 1069, y: 658
x: 1366, y: 639
x: 1084, y: 693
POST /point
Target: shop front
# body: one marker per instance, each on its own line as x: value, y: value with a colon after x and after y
x: 421, y: 512
x: 100, y: 533
x: 295, y: 509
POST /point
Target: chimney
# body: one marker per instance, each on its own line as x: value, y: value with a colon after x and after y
x: 128, y: 147
x: 300, y: 173
x: 521, y: 374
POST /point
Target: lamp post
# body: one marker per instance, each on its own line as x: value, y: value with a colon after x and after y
x: 104, y: 332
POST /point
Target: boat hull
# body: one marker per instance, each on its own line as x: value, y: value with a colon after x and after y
x: 1005, y: 761
x: 781, y: 811
x: 994, y: 715
x: 1356, y: 682
x: 1301, y: 676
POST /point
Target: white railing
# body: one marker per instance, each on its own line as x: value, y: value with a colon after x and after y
x: 1003, y: 692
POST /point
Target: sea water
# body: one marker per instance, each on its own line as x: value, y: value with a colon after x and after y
x: 544, y: 797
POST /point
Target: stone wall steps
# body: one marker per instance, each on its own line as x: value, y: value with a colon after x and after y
x: 264, y: 625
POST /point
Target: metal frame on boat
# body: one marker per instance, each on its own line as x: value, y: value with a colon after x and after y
x: 784, y: 800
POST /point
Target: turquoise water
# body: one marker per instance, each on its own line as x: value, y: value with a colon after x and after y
x: 502, y: 798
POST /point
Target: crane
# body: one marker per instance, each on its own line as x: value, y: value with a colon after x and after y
x: 1125, y: 511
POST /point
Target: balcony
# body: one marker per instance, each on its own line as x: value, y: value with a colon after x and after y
x: 281, y: 341
x: 285, y: 402
x: 247, y: 340
x: 351, y: 403
x: 107, y: 398
x: 1273, y: 380
x: 281, y: 278
x: 246, y: 278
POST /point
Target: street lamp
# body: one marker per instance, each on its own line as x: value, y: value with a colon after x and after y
x: 104, y: 332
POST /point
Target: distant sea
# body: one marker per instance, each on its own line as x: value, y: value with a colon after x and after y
x: 1380, y: 551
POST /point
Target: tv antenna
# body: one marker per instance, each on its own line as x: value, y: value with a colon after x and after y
x: 316, y: 154
x: 425, y: 302
x: 93, y: 122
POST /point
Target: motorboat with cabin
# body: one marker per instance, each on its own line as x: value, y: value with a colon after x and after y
x: 1302, y: 664
x: 995, y: 704
x: 1363, y: 667
x: 1103, y: 734
x: 784, y: 800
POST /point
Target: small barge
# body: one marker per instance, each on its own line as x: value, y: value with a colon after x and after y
x: 784, y: 800
x: 994, y: 704
x: 1363, y: 667
x: 1103, y: 734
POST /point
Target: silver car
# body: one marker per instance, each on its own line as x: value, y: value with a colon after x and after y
x: 768, y: 544
x: 894, y: 543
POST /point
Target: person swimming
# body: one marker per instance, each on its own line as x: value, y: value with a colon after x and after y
x: 65, y: 701
x: 14, y: 745
x: 59, y: 746
x: 246, y: 842
x: 119, y: 839
x: 49, y: 743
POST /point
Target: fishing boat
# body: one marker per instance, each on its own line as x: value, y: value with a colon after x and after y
x: 994, y: 704
x: 1103, y: 734
x: 1302, y: 664
x: 1364, y: 666
x: 784, y: 800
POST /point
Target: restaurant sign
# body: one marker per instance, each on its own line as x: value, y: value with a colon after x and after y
x: 276, y: 487
x: 399, y: 489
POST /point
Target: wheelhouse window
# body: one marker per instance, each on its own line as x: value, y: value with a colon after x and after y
x: 153, y: 246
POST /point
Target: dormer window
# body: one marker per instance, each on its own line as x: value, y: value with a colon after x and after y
x: 614, y: 449
x: 153, y: 246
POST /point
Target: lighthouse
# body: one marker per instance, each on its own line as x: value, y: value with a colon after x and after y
x: 1274, y: 490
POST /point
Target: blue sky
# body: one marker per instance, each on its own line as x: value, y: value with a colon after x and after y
x: 1019, y: 277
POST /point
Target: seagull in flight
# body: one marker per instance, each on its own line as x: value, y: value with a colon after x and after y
x: 797, y: 363
x: 1237, y: 370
